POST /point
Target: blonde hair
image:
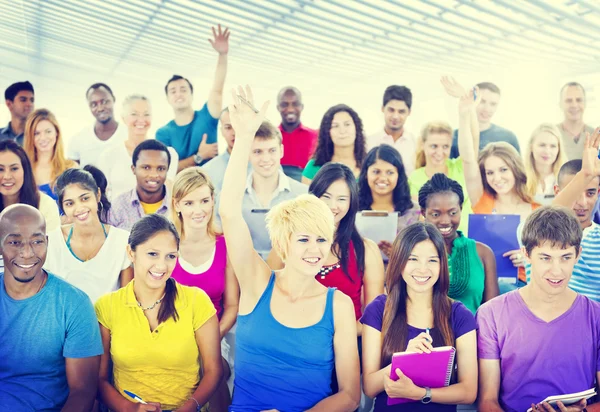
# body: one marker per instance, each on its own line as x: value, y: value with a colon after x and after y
x: 186, y: 182
x: 304, y: 214
x: 133, y: 98
x: 59, y: 162
x: 438, y: 126
x: 511, y: 157
x: 533, y: 176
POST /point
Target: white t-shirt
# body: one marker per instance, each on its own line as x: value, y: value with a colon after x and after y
x: 116, y: 163
x: 85, y: 147
x: 97, y: 276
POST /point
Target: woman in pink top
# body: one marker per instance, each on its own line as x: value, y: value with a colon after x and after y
x: 203, y: 259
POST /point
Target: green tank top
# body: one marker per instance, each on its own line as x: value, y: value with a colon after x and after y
x: 467, y: 275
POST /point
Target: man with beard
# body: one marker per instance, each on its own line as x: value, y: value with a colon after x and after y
x: 49, y: 333
x: 299, y: 141
x: 87, y: 146
x: 397, y: 103
x: 573, y: 128
x: 19, y: 99
x: 151, y: 160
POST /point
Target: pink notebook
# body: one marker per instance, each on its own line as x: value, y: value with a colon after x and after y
x: 431, y: 370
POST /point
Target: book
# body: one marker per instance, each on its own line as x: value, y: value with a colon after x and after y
x: 569, y: 398
x: 431, y: 370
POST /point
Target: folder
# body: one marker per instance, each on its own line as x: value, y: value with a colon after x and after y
x: 377, y: 225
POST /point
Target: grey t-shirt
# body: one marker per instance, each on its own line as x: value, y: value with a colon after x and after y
x: 493, y: 134
x: 573, y: 146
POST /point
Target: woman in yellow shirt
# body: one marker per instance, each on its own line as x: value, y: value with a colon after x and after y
x: 157, y: 333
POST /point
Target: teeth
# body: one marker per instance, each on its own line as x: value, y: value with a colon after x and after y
x: 421, y: 278
x: 445, y: 229
x: 25, y: 266
x: 156, y: 275
x: 556, y: 282
x: 311, y: 260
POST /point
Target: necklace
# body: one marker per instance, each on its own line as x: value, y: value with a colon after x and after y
x: 151, y: 306
x: 326, y: 270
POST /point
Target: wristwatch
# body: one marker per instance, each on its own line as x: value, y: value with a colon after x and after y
x: 427, y: 397
x: 197, y: 159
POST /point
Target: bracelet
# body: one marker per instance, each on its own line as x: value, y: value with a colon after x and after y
x: 198, y: 407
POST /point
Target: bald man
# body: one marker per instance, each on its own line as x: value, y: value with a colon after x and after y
x: 49, y: 335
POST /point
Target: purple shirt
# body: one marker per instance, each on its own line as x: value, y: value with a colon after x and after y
x: 126, y: 209
x: 537, y: 358
x: 462, y: 322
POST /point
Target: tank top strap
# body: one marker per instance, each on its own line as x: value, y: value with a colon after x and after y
x: 264, y: 303
x: 328, y: 317
x: 220, y: 250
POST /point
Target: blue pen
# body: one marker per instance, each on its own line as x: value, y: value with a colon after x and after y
x: 427, y: 332
x: 135, y: 397
x: 474, y: 93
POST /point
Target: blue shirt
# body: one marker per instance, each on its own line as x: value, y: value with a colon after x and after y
x: 8, y: 134
x: 493, y: 134
x: 215, y: 168
x: 36, y: 335
x: 277, y: 367
x: 186, y: 139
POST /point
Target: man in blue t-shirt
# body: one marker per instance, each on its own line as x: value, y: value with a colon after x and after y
x: 193, y: 134
x: 488, y: 132
x: 49, y: 335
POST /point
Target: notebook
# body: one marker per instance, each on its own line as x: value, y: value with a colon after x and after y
x: 570, y: 398
x: 431, y: 370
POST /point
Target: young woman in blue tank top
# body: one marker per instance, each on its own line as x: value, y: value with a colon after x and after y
x: 291, y: 330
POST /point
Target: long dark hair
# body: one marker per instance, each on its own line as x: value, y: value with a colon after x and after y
x: 324, y: 150
x: 401, y: 193
x: 29, y: 193
x: 346, y: 230
x: 395, y: 323
x: 90, y: 178
x: 142, y: 231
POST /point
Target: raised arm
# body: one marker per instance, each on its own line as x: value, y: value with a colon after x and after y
x: 220, y: 43
x: 246, y: 263
x: 590, y: 168
x: 468, y: 146
x: 231, y: 300
x: 455, y: 89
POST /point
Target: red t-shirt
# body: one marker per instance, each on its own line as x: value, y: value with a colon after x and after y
x: 298, y: 146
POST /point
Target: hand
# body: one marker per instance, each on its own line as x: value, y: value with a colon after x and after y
x: 420, y: 344
x: 385, y: 247
x: 401, y: 388
x: 244, y: 120
x: 207, y: 150
x: 469, y: 101
x: 221, y: 40
x: 546, y: 407
x: 590, y: 163
x: 516, y: 257
x: 149, y: 407
x: 452, y: 87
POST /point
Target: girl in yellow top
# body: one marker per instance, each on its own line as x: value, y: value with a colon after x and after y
x: 156, y: 332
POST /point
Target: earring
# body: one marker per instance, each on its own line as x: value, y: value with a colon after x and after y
x: 100, y: 206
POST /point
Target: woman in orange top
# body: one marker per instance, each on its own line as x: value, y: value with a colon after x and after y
x: 496, y: 179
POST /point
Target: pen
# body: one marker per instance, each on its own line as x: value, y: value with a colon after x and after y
x: 474, y: 93
x: 248, y: 103
x: 427, y: 332
x: 135, y: 397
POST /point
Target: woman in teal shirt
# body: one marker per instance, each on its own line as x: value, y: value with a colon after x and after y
x: 341, y: 139
x: 472, y: 264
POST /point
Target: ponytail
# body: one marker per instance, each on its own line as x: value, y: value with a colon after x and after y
x: 102, y: 183
x: 167, y: 307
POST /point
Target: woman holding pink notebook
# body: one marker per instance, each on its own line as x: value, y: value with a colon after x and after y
x: 415, y: 317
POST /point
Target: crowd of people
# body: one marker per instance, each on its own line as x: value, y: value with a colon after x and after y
x: 153, y: 273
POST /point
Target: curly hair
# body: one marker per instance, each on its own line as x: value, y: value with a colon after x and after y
x: 401, y: 193
x: 324, y: 151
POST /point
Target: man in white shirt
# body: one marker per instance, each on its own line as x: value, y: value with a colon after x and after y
x: 89, y: 143
x: 397, y: 103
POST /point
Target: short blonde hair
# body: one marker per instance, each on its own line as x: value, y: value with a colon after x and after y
x: 186, y: 182
x: 533, y: 177
x: 304, y: 214
x: 438, y: 126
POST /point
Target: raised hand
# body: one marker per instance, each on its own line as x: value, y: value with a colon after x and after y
x: 221, y: 40
x: 244, y: 119
x: 469, y: 100
x: 452, y: 87
x: 590, y: 164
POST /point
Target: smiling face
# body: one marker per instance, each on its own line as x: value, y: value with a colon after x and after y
x: 572, y: 103
x: 11, y: 174
x: 437, y: 148
x: 196, y: 209
x: 179, y: 94
x: 154, y: 260
x: 307, y: 252
x: 395, y: 113
x: 552, y: 267
x: 150, y: 170
x: 290, y: 107
x: 487, y: 106
x: 138, y: 117
x: 382, y: 177
x: 337, y: 198
x: 498, y: 175
x: 265, y: 157
x: 101, y: 104
x: 544, y: 149
x: 44, y: 137
x: 80, y: 204
x: 24, y: 247
x: 585, y: 203
x: 343, y: 130
x: 443, y: 211
x: 422, y: 269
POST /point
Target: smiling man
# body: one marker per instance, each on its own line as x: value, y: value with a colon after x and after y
x: 49, y: 333
x: 151, y: 160
x: 20, y: 99
x: 88, y: 144
x: 266, y: 186
x: 542, y: 339
x: 573, y: 128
